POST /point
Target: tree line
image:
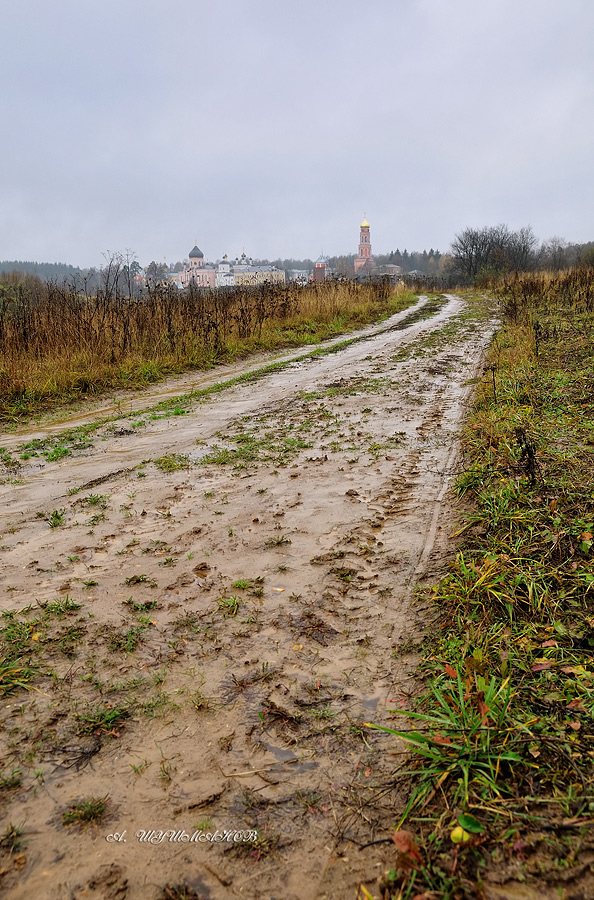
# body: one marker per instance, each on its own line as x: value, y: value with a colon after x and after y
x: 474, y: 253
x: 496, y: 249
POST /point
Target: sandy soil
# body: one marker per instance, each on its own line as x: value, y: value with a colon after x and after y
x: 246, y: 603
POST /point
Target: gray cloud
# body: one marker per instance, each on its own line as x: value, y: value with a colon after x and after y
x: 148, y: 125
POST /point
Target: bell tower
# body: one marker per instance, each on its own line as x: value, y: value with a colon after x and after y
x: 364, y: 259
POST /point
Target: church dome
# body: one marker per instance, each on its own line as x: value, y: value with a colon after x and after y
x: 195, y: 253
x: 364, y: 223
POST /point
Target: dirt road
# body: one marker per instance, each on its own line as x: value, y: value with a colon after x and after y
x: 217, y: 600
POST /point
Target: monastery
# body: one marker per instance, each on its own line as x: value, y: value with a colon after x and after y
x: 226, y: 273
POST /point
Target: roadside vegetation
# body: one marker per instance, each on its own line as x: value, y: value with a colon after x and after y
x: 502, y: 751
x: 61, y: 343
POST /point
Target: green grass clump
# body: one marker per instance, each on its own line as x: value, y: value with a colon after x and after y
x: 102, y: 719
x: 229, y: 606
x: 172, y: 462
x: 84, y: 811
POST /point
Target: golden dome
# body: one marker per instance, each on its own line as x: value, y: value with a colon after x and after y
x: 364, y: 223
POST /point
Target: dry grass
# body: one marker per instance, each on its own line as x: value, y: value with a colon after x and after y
x: 57, y: 343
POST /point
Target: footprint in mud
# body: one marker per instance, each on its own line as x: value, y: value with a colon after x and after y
x: 108, y: 884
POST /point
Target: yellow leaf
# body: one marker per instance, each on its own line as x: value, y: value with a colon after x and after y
x: 459, y: 835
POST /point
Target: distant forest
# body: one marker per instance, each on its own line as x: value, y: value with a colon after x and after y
x: 45, y: 271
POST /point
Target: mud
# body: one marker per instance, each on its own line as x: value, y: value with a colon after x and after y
x: 246, y: 605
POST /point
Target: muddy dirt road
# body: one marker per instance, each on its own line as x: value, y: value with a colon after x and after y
x: 217, y: 600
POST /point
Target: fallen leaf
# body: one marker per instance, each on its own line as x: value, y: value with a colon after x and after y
x: 406, y: 845
x: 469, y: 823
x: 451, y: 671
x: 541, y: 666
x: 459, y: 835
x: 440, y: 739
x: 550, y: 644
x: 575, y: 725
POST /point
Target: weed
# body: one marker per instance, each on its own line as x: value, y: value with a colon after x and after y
x: 172, y: 462
x: 242, y: 584
x: 200, y: 701
x: 136, y: 606
x: 140, y: 579
x: 229, y: 605
x: 61, y: 607
x: 127, y: 641
x: 278, y: 541
x: 100, y: 500
x: 165, y: 770
x: 157, y: 703
x: 11, y: 839
x: 12, y: 780
x: 56, y: 518
x: 102, y: 719
x: 15, y: 674
x: 83, y: 811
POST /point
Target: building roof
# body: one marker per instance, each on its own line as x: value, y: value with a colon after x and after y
x: 196, y: 253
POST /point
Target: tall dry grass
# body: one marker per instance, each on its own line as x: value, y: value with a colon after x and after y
x: 58, y: 343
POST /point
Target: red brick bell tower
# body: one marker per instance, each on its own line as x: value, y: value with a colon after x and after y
x: 364, y: 259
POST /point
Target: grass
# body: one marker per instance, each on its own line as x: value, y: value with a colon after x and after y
x: 172, y: 462
x: 83, y: 811
x: 15, y: 674
x: 61, y: 607
x: 58, y: 344
x: 11, y: 838
x: 229, y: 606
x: 56, y: 518
x: 11, y: 780
x: 501, y: 740
x: 126, y: 641
x: 102, y: 719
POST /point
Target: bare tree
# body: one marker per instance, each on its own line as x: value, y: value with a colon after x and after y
x: 493, y: 249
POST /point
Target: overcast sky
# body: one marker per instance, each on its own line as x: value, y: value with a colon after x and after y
x: 274, y: 125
